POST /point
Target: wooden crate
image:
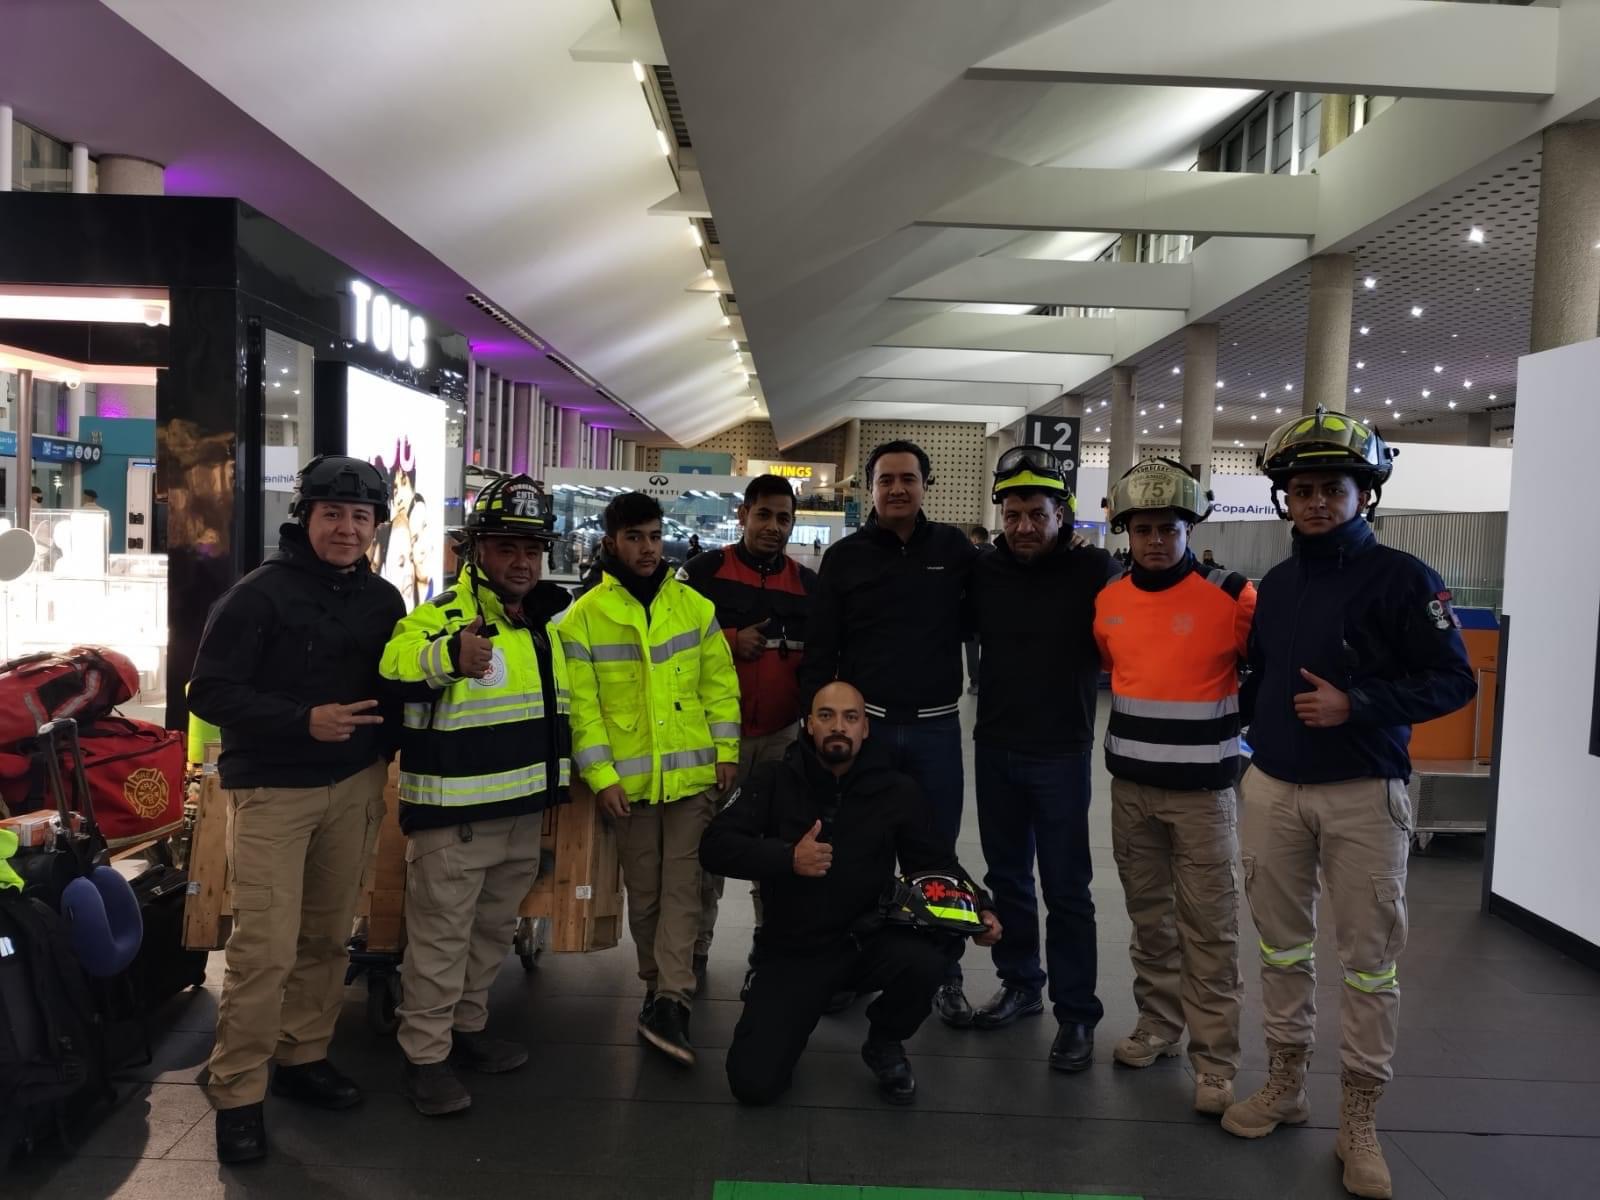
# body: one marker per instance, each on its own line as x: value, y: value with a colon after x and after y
x: 383, y: 883
x: 208, y: 908
x: 582, y: 896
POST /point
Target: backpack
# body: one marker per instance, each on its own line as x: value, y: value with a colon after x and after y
x: 84, y: 683
x: 51, y: 1052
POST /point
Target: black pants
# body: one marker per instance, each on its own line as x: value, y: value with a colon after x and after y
x: 789, y: 992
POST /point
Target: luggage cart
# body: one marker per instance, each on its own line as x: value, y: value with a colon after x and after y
x: 1449, y: 795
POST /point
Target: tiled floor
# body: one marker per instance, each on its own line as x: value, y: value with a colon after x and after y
x: 1497, y: 1092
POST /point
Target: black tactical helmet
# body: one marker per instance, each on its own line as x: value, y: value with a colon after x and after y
x: 338, y: 477
x: 513, y: 506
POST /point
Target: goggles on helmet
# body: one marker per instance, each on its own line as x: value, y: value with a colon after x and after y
x: 1327, y: 441
x: 1030, y: 467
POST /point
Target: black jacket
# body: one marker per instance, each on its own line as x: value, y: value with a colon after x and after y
x: 871, y: 816
x: 887, y: 618
x: 1040, y: 668
x: 1374, y: 622
x: 293, y: 634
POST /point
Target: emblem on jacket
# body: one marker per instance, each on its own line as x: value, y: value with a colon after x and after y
x: 496, y: 674
x: 1443, y: 615
x: 1183, y: 624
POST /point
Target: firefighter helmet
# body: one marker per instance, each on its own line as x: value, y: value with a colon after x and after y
x: 512, y: 506
x: 1034, y: 468
x: 1157, y: 483
x: 936, y: 901
x: 1327, y: 441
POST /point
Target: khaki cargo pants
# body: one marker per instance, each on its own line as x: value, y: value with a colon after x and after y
x: 295, y: 856
x: 1358, y: 833
x: 1175, y: 852
x: 659, y: 845
x: 769, y: 747
x: 464, y: 884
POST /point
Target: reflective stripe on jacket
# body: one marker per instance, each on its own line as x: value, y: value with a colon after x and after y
x: 477, y: 749
x: 655, y: 702
x: 1174, y: 653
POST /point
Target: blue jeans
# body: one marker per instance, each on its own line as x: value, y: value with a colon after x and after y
x: 1031, y: 803
x: 930, y: 752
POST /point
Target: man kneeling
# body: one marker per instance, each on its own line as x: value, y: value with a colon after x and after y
x: 820, y: 832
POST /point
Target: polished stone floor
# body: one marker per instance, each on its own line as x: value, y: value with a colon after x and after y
x: 1497, y: 1092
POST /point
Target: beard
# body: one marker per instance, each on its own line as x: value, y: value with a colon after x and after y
x: 836, y: 750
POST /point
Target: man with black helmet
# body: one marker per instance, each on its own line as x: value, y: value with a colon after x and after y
x: 1353, y: 643
x: 1039, y: 676
x: 485, y: 750
x: 1173, y: 633
x: 820, y: 832
x: 288, y: 668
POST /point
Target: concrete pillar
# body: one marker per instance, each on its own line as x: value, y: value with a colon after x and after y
x: 80, y: 168
x: 852, y: 451
x: 1071, y: 405
x: 1128, y: 248
x: 1335, y: 123
x: 1123, y: 451
x: 121, y: 175
x: 469, y: 430
x: 521, y: 403
x: 570, y: 432
x: 988, y: 512
x: 7, y: 129
x: 1199, y: 399
x: 1480, y: 429
x: 1566, y: 262
x: 1327, y: 376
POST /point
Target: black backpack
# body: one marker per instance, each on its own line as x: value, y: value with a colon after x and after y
x: 52, y: 1058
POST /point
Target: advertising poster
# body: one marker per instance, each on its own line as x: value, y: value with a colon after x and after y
x: 402, y: 433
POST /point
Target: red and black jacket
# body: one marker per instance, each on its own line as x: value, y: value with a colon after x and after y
x: 775, y: 594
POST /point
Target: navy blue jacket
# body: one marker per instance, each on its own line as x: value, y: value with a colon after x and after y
x: 1374, y: 622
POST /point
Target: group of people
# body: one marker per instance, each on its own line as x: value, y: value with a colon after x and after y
x: 745, y: 717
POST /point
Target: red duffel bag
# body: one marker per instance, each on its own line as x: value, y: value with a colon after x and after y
x: 135, y: 772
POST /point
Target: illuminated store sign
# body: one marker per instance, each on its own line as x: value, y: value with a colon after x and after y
x: 386, y: 326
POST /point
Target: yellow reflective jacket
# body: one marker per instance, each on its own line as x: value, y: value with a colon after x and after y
x: 480, y: 749
x: 655, y: 704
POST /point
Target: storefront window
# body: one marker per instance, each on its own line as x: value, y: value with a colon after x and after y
x: 288, y: 384
x: 39, y: 163
x: 704, y: 514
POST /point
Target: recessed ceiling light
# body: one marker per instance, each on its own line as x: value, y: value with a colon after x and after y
x: 1437, y: 369
x: 1365, y: 329
x: 662, y: 142
x: 1163, y: 404
x: 1455, y: 335
x: 1279, y: 410
x: 1237, y: 442
x: 1097, y: 429
x: 1144, y: 431
x: 694, y: 232
x: 1426, y: 393
x: 1369, y: 283
x: 1220, y: 383
x: 1466, y: 383
x: 1360, y: 366
x: 297, y: 391
x: 1358, y: 391
x: 1219, y: 408
x: 1180, y: 421
x: 1416, y: 310
x: 709, y: 272
x: 1476, y: 235
x: 1144, y: 412
x: 1452, y: 404
x: 1492, y: 396
x: 283, y: 370
x: 1177, y: 370
x: 727, y: 321
x: 1263, y: 395
x: 1288, y: 387
x: 275, y: 383
x: 1161, y: 426
x: 1102, y: 404
x: 734, y: 342
x: 1397, y: 416
x: 1389, y: 401
x: 1252, y: 416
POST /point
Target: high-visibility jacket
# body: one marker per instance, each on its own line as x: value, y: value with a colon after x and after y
x: 1173, y: 641
x: 655, y: 700
x: 479, y: 749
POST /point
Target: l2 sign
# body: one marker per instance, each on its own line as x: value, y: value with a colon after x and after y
x: 1059, y: 435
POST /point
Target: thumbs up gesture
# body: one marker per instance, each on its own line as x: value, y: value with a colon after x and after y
x: 474, y: 652
x: 811, y: 857
x: 1325, y: 707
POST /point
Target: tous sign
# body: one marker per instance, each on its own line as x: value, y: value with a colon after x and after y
x: 386, y: 326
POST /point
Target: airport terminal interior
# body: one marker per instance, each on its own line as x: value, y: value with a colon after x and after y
x: 921, y: 277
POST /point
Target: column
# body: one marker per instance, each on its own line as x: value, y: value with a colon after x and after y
x: 1335, y: 122
x: 1123, y: 452
x: 852, y: 451
x: 989, y: 512
x: 570, y: 438
x: 1199, y: 399
x: 24, y: 424
x: 1480, y: 429
x: 7, y: 129
x: 521, y: 402
x: 122, y: 175
x: 1566, y: 264
x: 80, y: 168
x: 1071, y: 404
x: 1327, y: 376
x: 469, y: 430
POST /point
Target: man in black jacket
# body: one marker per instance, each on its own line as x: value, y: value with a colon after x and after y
x: 1032, y: 603
x: 820, y: 833
x: 288, y: 668
x: 887, y: 617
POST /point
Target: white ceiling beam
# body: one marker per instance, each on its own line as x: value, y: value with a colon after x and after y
x: 633, y: 39
x: 688, y: 201
x: 1210, y: 203
x: 1378, y: 47
x: 952, y: 392
x: 1018, y: 335
x: 996, y: 280
x: 968, y: 368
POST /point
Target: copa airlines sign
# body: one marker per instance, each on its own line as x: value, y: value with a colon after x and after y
x: 386, y: 326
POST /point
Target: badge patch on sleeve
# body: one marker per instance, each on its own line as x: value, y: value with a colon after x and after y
x: 1440, y: 611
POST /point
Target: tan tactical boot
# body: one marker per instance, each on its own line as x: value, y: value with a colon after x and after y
x: 1142, y: 1047
x: 1365, y: 1172
x: 1212, y: 1094
x: 1281, y: 1100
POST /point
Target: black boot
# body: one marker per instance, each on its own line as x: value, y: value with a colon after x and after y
x: 434, y: 1089
x: 241, y: 1134
x: 891, y: 1069
x: 1008, y: 1004
x: 480, y: 1052
x: 666, y: 1027
x: 950, y: 1002
x: 316, y: 1084
x: 1073, y: 1049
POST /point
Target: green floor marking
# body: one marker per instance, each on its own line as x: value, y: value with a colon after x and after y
x: 745, y: 1190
